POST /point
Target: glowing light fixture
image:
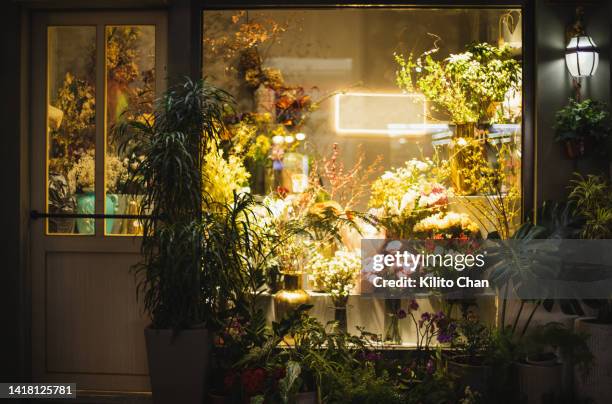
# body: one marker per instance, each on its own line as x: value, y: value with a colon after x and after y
x: 582, y: 56
x: 581, y: 53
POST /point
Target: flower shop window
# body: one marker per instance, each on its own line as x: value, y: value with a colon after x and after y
x: 74, y: 124
x: 411, y: 115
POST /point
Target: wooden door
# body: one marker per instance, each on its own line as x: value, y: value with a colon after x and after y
x: 89, y: 70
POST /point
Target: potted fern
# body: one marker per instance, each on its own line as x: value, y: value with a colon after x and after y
x: 180, y: 293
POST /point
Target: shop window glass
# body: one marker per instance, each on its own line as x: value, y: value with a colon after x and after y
x: 411, y: 115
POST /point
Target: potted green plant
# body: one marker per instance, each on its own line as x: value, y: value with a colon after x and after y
x: 471, y: 357
x: 181, y: 293
x: 544, y: 351
x: 592, y: 198
x: 580, y: 125
x: 470, y: 88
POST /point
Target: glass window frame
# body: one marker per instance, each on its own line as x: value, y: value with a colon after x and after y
x: 100, y: 20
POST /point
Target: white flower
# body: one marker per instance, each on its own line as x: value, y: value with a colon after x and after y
x: 407, y: 203
x: 388, y: 175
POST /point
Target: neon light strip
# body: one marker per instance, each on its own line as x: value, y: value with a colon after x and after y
x: 392, y: 129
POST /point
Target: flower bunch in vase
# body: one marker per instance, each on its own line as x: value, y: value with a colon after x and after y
x: 403, y: 196
x: 337, y: 276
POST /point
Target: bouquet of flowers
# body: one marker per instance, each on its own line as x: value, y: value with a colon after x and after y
x: 403, y: 196
x: 336, y: 275
x: 447, y: 225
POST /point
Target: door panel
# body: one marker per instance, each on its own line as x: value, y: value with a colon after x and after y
x: 87, y: 325
x: 88, y: 307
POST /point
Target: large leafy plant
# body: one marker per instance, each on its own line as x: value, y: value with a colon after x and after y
x: 180, y: 289
x: 592, y: 197
x: 469, y: 86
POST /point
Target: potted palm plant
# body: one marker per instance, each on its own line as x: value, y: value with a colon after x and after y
x: 180, y: 294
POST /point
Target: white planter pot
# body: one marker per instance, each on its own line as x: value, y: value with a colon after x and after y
x: 539, y: 384
x: 597, y: 384
x: 178, y: 365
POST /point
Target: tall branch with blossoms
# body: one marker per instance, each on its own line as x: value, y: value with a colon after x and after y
x: 345, y: 185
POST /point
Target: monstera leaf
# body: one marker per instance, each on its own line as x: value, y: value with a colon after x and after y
x: 523, y: 261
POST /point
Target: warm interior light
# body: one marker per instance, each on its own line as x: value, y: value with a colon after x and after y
x: 581, y: 56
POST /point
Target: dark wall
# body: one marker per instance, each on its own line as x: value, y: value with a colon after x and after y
x: 553, y: 87
x: 13, y: 219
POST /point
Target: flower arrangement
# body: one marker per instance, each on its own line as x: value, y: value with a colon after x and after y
x: 469, y: 86
x: 73, y: 133
x: 335, y: 275
x: 81, y: 177
x: 224, y: 174
x: 403, y: 196
x: 346, y: 185
x: 447, y: 225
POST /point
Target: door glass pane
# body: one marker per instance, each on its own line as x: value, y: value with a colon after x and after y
x: 130, y: 90
x: 71, y: 130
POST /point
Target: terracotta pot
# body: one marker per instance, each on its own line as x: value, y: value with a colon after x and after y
x: 178, y: 365
x: 539, y: 383
x: 597, y: 384
x: 577, y: 148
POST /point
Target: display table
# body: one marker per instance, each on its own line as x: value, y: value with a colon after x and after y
x: 369, y: 313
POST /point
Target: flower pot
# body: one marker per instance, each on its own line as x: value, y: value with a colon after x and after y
x: 477, y: 377
x: 543, y: 359
x: 126, y: 204
x: 540, y: 382
x: 178, y: 365
x: 597, y: 384
x: 86, y: 204
x: 291, y: 296
x: 61, y: 225
x: 576, y: 148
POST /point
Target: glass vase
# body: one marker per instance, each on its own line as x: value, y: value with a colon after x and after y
x: 340, y: 314
x: 393, y: 333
